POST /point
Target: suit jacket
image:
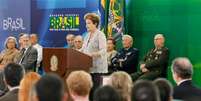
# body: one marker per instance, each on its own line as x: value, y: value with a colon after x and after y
x: 130, y: 60
x: 157, y: 60
x: 29, y: 59
x: 10, y: 96
x: 186, y: 90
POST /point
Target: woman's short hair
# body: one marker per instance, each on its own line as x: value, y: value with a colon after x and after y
x: 79, y: 82
x: 93, y: 17
x: 9, y: 38
x: 122, y: 82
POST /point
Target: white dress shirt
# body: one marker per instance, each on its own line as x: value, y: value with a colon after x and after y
x: 40, y: 53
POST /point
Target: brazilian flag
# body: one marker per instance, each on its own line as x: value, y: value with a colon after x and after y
x: 115, y: 24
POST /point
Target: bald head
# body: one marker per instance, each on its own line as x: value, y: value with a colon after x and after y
x: 182, y: 67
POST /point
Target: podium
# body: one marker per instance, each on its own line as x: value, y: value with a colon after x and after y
x: 62, y: 61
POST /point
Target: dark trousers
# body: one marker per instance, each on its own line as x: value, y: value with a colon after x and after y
x: 97, y: 82
x: 151, y: 75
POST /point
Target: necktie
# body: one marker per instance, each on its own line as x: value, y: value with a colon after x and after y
x: 22, y: 54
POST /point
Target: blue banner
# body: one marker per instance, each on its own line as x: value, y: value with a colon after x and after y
x: 14, y: 18
x: 54, y: 19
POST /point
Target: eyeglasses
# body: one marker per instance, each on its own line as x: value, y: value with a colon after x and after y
x: 78, y: 41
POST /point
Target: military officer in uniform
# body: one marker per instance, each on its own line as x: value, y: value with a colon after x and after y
x: 127, y: 58
x: 155, y: 62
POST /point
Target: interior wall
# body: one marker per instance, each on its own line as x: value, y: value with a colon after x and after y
x: 178, y: 20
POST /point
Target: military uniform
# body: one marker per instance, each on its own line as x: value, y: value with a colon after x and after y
x: 156, y: 61
x: 126, y: 60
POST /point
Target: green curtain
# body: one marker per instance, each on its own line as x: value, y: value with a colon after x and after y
x: 178, y: 20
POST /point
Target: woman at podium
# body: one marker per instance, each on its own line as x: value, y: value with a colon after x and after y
x: 95, y: 46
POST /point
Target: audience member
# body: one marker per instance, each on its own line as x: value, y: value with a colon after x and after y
x: 127, y: 58
x: 26, y: 85
x: 28, y: 54
x: 9, y: 53
x: 165, y: 89
x: 155, y: 62
x: 182, y: 71
x: 111, y: 52
x: 122, y: 82
x: 50, y: 88
x: 13, y: 73
x: 106, y: 93
x: 79, y: 84
x: 144, y: 91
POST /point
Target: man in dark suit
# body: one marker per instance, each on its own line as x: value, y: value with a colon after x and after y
x: 127, y: 58
x: 13, y: 73
x: 155, y: 62
x: 182, y: 71
x: 28, y: 54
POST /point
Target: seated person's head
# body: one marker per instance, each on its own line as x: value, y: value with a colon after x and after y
x: 50, y: 88
x: 13, y: 73
x: 70, y: 40
x: 110, y: 44
x: 10, y: 43
x: 25, y: 41
x: 144, y: 91
x: 26, y: 85
x: 127, y: 41
x: 159, y: 40
x: 106, y: 93
x: 165, y: 89
x: 78, y: 41
x: 122, y: 82
x: 79, y: 83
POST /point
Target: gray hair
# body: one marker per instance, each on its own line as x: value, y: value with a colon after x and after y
x: 10, y: 37
x: 128, y: 36
x: 26, y: 35
x: 182, y: 67
x: 159, y: 36
x: 68, y: 35
x: 79, y: 36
